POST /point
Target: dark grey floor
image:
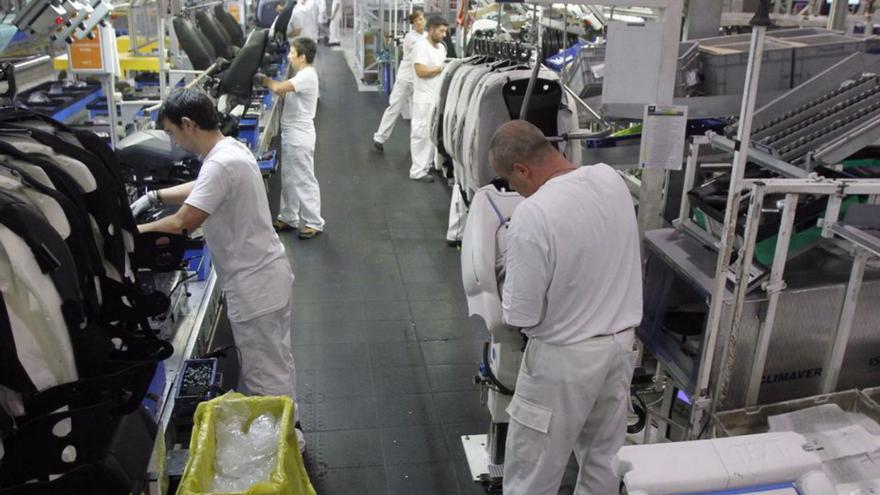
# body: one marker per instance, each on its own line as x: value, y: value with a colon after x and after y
x: 385, y: 353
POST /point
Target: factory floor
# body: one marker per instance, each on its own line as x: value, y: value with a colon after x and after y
x: 385, y: 353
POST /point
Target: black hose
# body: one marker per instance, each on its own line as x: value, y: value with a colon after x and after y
x: 641, y: 411
x: 491, y: 376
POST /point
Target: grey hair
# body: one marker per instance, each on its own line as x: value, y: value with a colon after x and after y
x: 517, y: 141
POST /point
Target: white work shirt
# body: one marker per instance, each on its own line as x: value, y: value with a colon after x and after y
x: 405, y: 71
x: 573, y: 262
x: 301, y: 104
x: 425, y: 90
x: 250, y: 260
x: 335, y: 9
x: 304, y: 17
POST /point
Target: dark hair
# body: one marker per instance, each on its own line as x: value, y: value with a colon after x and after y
x: 436, y: 21
x: 193, y: 104
x: 415, y: 15
x: 307, y: 47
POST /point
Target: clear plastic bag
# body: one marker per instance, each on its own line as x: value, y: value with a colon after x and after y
x: 287, y: 476
x: 246, y: 454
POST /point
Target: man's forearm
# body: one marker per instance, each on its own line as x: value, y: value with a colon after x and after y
x: 428, y: 72
x: 186, y: 220
x: 176, y: 195
x: 171, y: 225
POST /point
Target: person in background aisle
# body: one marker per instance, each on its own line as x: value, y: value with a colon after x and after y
x: 322, y: 21
x: 574, y: 287
x: 300, y: 193
x: 228, y: 201
x: 403, y: 86
x: 304, y: 20
x: 428, y: 58
x: 335, y: 22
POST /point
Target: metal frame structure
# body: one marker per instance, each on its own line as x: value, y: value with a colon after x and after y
x: 862, y: 247
x: 795, y: 182
x: 669, y: 16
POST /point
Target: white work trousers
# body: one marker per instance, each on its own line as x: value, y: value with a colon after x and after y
x: 335, y: 29
x: 457, y: 215
x: 420, y: 146
x: 400, y: 93
x: 569, y: 398
x: 300, y: 193
x: 266, y: 358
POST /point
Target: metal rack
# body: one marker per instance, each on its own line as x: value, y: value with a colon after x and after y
x: 839, y: 134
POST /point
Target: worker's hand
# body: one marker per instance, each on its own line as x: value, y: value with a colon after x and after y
x: 145, y: 202
x: 261, y: 79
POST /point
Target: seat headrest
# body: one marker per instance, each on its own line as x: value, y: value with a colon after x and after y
x: 193, y: 45
x: 230, y: 25
x: 237, y: 80
x: 209, y: 25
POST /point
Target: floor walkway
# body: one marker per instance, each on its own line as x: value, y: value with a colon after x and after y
x: 384, y: 350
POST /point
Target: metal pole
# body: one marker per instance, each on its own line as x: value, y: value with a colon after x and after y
x: 750, y: 93
x: 587, y: 107
x: 837, y: 16
x: 652, y: 190
x: 774, y: 286
x: 163, y: 63
x: 524, y: 111
x: 565, y: 33
x: 109, y: 90
x: 831, y: 371
x: 690, y: 173
x: 746, y: 254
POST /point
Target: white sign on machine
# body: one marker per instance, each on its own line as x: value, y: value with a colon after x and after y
x: 664, y: 130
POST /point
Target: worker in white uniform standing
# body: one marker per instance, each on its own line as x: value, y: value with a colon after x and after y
x: 428, y: 59
x: 403, y: 86
x: 574, y: 287
x: 335, y: 22
x: 300, y: 193
x: 228, y: 201
x: 304, y: 20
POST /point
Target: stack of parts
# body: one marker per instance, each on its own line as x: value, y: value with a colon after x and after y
x: 848, y: 444
x: 76, y: 347
x: 477, y: 96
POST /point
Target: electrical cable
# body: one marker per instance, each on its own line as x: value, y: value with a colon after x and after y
x: 491, y: 376
x: 641, y: 411
x: 180, y: 282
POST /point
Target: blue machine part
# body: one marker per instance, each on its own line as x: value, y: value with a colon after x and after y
x: 199, y: 260
x: 249, y: 131
x: 682, y: 396
x: 560, y: 60
x: 388, y: 78
x: 269, y: 163
x: 77, y: 106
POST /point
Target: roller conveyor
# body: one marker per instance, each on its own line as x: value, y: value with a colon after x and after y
x: 825, y: 119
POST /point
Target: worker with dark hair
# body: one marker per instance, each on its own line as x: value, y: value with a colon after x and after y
x: 403, y: 84
x: 228, y: 201
x: 300, y: 193
x: 428, y: 60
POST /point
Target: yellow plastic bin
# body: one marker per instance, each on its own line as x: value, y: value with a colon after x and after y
x: 289, y: 476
